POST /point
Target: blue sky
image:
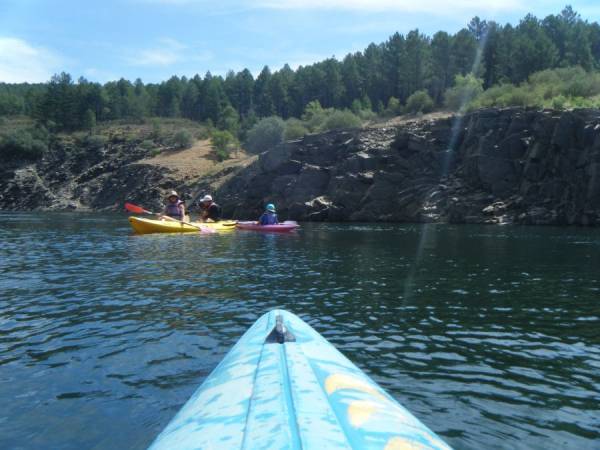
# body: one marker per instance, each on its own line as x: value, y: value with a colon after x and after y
x: 154, y: 39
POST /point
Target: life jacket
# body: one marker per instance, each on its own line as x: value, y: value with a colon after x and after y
x: 212, y: 212
x: 174, y: 210
x: 268, y: 218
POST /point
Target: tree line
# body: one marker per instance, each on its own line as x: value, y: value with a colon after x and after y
x: 393, y: 70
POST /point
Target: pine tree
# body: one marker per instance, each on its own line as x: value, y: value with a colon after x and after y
x: 215, y: 99
x: 394, y: 58
x: 440, y: 65
x: 534, y: 51
x: 333, y: 88
x: 262, y: 94
x: 89, y: 120
x: 462, y: 52
x: 418, y: 63
x: 353, y: 83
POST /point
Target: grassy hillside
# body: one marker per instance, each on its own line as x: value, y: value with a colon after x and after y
x: 23, y: 138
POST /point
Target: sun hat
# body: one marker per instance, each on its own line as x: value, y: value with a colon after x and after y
x: 173, y: 194
x: 206, y: 198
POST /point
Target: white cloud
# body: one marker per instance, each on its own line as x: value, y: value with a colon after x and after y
x: 167, y: 53
x: 21, y: 61
x: 422, y: 6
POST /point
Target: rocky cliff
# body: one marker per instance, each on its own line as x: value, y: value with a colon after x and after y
x: 80, y: 175
x: 491, y: 166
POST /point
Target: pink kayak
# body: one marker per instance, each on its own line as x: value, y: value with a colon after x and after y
x: 288, y: 225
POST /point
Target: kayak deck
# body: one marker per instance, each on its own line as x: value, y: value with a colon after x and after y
x: 300, y: 394
x: 281, y: 227
x: 142, y: 225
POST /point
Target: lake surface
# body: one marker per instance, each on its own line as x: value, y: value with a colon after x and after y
x: 490, y: 335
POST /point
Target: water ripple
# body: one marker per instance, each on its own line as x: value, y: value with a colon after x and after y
x: 497, y: 345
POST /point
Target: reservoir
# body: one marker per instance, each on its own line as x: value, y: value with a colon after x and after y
x: 490, y: 335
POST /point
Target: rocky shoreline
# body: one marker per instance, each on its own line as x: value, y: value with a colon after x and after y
x: 509, y: 166
x: 495, y: 166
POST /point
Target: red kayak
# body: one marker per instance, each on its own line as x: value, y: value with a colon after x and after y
x: 288, y: 225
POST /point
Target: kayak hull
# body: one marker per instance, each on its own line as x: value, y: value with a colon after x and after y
x: 299, y: 394
x: 281, y: 227
x: 142, y: 225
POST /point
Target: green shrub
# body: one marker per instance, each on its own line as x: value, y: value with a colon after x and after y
x: 265, y: 135
x: 559, y: 102
x: 394, y: 107
x: 157, y: 132
x: 147, y: 144
x: 229, y: 120
x: 356, y: 107
x: 11, y: 104
x: 583, y: 86
x: 294, y: 129
x: 183, y: 139
x: 465, y: 91
x: 223, y: 142
x: 419, y: 102
x: 203, y: 134
x: 519, y: 96
x: 366, y: 114
x: 366, y: 103
x: 89, y: 120
x: 95, y: 141
x: 341, y: 119
x: 489, y: 98
x: 570, y: 87
x: 314, y: 115
x: 568, y: 81
x: 40, y: 133
x: 363, y: 109
x: 210, y: 126
x: 22, y: 144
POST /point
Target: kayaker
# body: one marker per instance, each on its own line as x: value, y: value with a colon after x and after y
x: 174, y: 207
x: 269, y: 217
x: 209, y: 210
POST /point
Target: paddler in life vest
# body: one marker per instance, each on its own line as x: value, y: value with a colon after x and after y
x: 268, y: 217
x: 174, y: 207
x: 209, y: 210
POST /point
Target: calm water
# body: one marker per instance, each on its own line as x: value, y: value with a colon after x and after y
x: 491, y: 336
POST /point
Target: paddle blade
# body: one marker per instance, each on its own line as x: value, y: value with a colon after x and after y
x: 134, y: 208
x: 207, y: 230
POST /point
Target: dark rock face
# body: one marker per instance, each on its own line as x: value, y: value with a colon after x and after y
x: 491, y: 166
x: 71, y: 177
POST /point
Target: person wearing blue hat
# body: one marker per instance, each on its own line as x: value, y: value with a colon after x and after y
x: 268, y: 217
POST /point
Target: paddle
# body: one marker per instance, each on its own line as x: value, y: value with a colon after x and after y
x: 139, y: 210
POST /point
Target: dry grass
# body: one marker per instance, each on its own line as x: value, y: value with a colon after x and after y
x: 410, y: 118
x: 197, y: 161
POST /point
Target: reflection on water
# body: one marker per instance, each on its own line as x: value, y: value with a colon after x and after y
x: 104, y: 335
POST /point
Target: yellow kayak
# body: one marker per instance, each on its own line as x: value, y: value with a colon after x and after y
x: 145, y: 226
